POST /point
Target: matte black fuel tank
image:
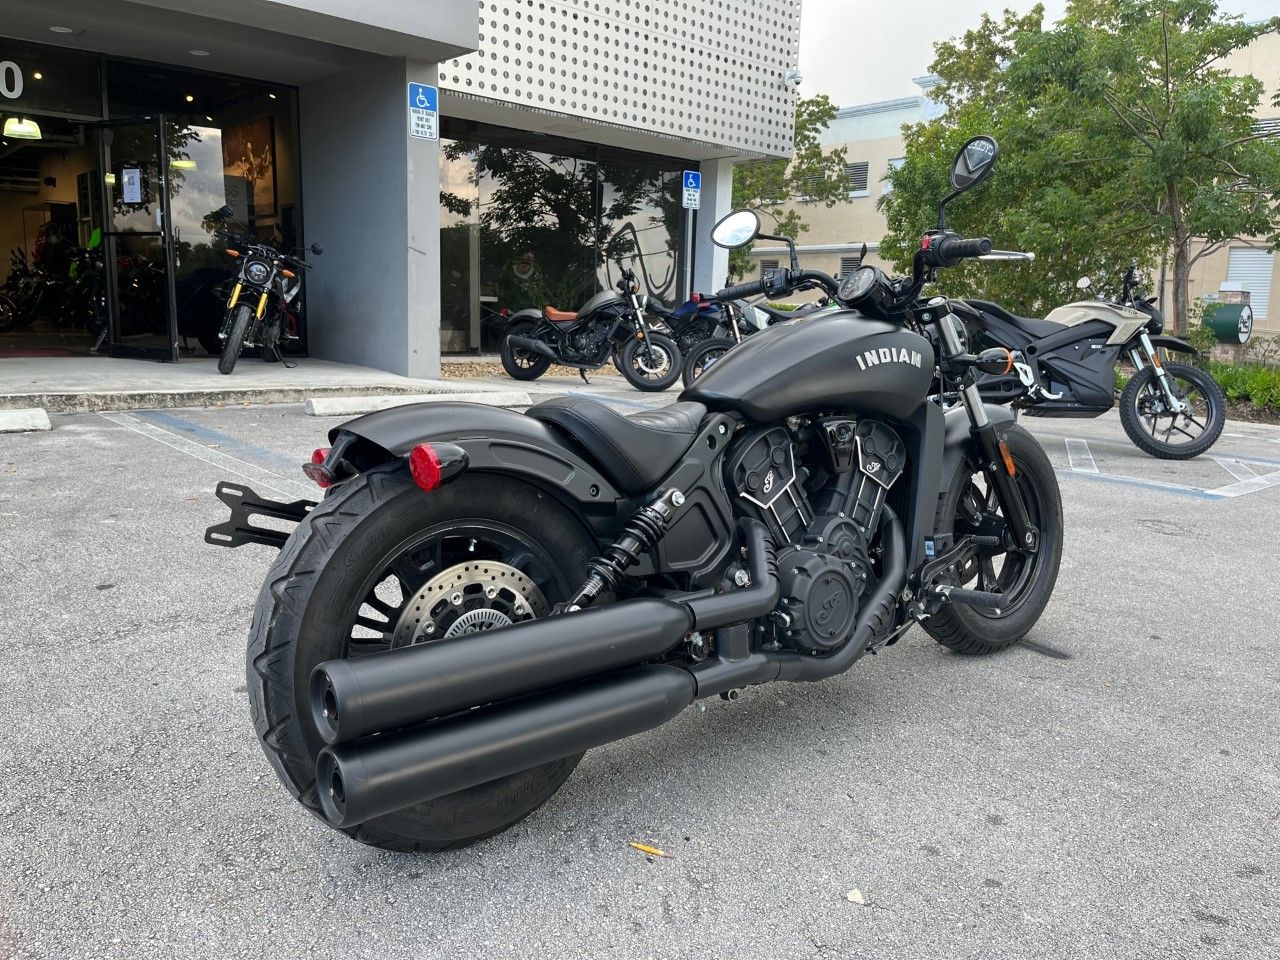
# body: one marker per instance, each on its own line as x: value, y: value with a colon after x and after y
x: 832, y: 361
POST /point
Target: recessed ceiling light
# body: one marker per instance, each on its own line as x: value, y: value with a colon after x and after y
x: 190, y: 98
x: 199, y: 53
x: 209, y: 118
x: 38, y: 75
x: 61, y: 29
x: 271, y: 95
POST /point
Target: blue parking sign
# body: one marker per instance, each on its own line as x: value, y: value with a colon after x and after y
x: 424, y: 113
x: 692, y: 180
x: 692, y: 193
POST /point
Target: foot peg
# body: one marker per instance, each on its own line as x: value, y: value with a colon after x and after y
x: 971, y: 598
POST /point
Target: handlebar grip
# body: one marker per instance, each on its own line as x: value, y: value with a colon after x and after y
x: 742, y: 291
x: 955, y: 249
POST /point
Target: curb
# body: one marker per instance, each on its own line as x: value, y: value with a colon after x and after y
x: 160, y: 399
x: 22, y: 421
x: 351, y: 406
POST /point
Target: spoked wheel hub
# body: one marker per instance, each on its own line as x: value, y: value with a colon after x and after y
x: 468, y: 598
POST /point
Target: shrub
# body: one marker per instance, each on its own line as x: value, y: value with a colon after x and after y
x: 1253, y: 382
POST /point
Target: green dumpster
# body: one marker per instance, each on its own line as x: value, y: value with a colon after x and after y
x: 1231, y: 322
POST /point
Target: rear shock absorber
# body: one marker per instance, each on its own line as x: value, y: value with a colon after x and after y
x: 646, y: 527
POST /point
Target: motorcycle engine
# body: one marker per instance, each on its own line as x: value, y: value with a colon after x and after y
x: 822, y: 543
x: 585, y: 345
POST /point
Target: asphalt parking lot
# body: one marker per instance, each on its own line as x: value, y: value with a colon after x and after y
x: 1110, y: 788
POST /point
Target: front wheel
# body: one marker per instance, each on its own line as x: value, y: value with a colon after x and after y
x: 234, y: 343
x: 653, y: 366
x: 702, y: 357
x: 1157, y: 429
x: 1027, y: 577
x: 378, y: 565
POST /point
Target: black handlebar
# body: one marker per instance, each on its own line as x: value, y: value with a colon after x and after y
x: 948, y: 250
x: 742, y: 290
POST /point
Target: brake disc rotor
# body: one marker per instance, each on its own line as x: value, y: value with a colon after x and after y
x: 658, y: 368
x: 467, y: 598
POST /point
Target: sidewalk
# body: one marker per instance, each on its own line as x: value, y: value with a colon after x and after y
x: 77, y: 384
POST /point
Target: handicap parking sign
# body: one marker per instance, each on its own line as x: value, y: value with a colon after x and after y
x: 692, y: 190
x: 424, y: 112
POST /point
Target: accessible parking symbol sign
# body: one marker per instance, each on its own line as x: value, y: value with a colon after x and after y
x: 424, y: 111
x: 692, y: 190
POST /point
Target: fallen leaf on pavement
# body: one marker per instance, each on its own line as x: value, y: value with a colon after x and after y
x: 645, y: 848
x: 855, y: 896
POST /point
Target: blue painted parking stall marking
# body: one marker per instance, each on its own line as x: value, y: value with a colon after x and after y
x: 424, y: 111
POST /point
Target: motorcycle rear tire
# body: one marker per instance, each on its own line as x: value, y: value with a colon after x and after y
x: 531, y: 369
x: 234, y: 343
x: 322, y: 571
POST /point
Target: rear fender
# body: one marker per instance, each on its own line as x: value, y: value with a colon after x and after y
x: 495, y: 440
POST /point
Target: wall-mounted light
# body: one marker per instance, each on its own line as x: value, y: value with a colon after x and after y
x: 21, y: 128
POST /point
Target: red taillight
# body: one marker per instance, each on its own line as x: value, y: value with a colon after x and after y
x: 424, y: 465
x: 316, y: 470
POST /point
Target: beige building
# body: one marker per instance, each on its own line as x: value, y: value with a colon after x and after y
x: 872, y: 136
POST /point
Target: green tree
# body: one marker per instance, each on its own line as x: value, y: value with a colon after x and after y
x: 809, y: 176
x: 1122, y: 137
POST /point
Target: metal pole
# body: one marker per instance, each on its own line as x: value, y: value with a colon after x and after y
x: 688, y: 254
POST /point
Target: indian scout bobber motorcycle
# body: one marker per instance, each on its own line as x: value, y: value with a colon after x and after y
x: 483, y: 595
x: 611, y: 325
x: 1064, y: 366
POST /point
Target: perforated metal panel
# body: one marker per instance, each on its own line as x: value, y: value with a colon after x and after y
x: 709, y: 70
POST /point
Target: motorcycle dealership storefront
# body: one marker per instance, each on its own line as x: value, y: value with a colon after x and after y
x: 127, y: 123
x: 109, y: 171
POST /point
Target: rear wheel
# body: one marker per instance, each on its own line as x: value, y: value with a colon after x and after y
x: 234, y: 343
x: 1157, y: 429
x: 380, y: 565
x: 1027, y: 578
x: 522, y: 364
x: 650, y: 366
x: 703, y: 356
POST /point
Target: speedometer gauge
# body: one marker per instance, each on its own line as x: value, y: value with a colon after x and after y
x: 857, y: 285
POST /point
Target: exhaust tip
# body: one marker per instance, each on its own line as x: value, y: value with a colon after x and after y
x: 325, y: 711
x: 331, y: 787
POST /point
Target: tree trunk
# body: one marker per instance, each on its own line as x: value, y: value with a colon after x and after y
x: 1181, y: 263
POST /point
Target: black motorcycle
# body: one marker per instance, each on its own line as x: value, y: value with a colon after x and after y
x: 267, y: 273
x: 483, y: 595
x: 1064, y: 366
x: 611, y: 325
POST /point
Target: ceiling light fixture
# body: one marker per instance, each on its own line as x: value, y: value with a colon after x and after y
x: 38, y: 75
x: 21, y: 128
x: 199, y: 53
x: 190, y: 98
x: 271, y: 95
x: 61, y: 29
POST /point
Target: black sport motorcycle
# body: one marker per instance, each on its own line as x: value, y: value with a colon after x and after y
x: 483, y: 595
x: 264, y: 272
x: 1064, y: 366
x: 609, y: 326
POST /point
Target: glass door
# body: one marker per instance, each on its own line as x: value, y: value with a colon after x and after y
x: 139, y: 244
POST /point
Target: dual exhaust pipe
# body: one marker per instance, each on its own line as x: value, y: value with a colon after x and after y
x: 408, y: 726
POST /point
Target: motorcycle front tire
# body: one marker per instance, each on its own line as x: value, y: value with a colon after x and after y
x: 234, y: 343
x: 663, y: 348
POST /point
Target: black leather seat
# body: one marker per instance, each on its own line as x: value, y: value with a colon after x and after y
x: 1028, y: 325
x: 634, y: 451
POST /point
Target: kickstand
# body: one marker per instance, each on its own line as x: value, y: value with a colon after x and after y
x: 583, y: 374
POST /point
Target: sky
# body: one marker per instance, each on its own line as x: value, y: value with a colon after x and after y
x: 861, y: 51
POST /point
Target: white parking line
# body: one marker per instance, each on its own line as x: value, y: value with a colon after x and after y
x: 1080, y: 456
x: 1237, y: 468
x: 1252, y: 485
x: 215, y: 458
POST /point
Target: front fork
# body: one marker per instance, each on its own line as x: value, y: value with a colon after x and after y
x: 1148, y: 350
x: 997, y: 464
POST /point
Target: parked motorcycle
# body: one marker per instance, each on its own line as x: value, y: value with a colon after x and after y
x: 741, y: 319
x: 270, y: 274
x: 1064, y: 366
x: 609, y: 324
x: 484, y: 595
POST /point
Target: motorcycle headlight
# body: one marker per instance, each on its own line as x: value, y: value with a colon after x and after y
x: 257, y: 271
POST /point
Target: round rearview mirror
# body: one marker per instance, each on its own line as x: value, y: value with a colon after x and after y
x: 1084, y: 283
x: 317, y: 249
x: 225, y: 213
x: 736, y: 229
x: 974, y: 163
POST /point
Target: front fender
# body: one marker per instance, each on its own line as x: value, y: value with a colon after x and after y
x: 958, y: 440
x: 1176, y: 344
x: 495, y: 440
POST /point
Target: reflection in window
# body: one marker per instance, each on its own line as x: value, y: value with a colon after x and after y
x: 523, y: 229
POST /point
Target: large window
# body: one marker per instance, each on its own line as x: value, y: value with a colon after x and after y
x: 528, y: 221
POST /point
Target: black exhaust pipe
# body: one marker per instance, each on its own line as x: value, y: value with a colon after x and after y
x: 399, y: 688
x: 359, y: 781
x: 533, y: 346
